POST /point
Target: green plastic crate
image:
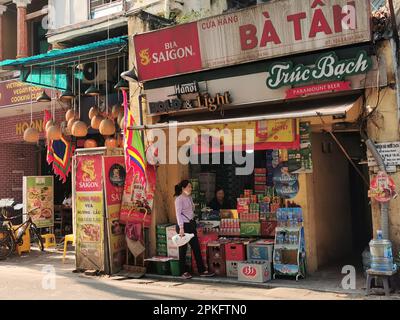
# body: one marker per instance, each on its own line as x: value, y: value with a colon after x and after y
x: 175, y: 269
x: 163, y: 268
x: 161, y: 228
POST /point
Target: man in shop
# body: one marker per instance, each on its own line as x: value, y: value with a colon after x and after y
x: 220, y: 202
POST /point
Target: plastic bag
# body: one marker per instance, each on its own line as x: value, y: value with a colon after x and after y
x: 181, y: 241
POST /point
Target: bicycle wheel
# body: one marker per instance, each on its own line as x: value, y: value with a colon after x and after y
x: 35, y: 234
x: 7, y: 245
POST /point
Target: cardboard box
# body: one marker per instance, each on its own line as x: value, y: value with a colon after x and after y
x: 268, y: 228
x: 232, y: 268
x: 260, y: 250
x: 254, y: 271
x: 250, y: 228
x: 173, y: 252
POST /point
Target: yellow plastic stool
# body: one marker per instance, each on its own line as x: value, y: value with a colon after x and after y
x: 26, y: 245
x: 68, y: 238
x: 49, y: 240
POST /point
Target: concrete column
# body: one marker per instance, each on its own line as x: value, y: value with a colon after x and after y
x: 2, y: 10
x: 22, y: 28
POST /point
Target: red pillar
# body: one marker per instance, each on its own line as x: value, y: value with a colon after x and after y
x: 22, y: 28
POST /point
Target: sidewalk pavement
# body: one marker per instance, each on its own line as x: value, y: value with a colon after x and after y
x: 30, y: 277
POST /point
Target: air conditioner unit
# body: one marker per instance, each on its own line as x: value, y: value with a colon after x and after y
x: 95, y: 72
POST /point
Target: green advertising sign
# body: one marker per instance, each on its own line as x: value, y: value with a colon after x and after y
x: 39, y: 197
x: 327, y: 67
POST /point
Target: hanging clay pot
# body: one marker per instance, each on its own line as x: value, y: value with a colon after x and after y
x: 79, y: 129
x: 90, y: 143
x: 49, y: 124
x: 111, y: 143
x: 70, y: 115
x: 116, y: 110
x: 31, y: 135
x: 107, y: 127
x: 94, y: 111
x: 70, y: 123
x: 54, y: 133
x: 95, y: 122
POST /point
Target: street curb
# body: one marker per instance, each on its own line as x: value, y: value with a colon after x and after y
x: 254, y: 285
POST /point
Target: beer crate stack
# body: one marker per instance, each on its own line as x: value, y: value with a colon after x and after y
x: 161, y: 245
x: 235, y: 252
x: 258, y: 266
x: 260, y: 180
x: 204, y: 239
x: 249, y: 214
x: 197, y: 196
x: 216, y: 257
x: 270, y: 169
x: 227, y: 179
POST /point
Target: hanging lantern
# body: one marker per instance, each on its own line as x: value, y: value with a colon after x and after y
x: 71, y: 114
x: 43, y: 97
x: 90, y: 143
x: 111, y: 143
x: 31, y: 135
x: 107, y: 127
x: 96, y: 121
x: 94, y: 111
x: 122, y: 85
x: 92, y: 91
x: 67, y: 96
x: 54, y: 133
x: 79, y: 129
x: 116, y: 111
x: 49, y: 124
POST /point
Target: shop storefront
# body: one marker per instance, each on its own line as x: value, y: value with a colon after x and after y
x: 80, y: 88
x: 307, y: 197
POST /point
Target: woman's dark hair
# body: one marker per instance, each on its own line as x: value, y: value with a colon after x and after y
x: 180, y: 186
x: 217, y: 189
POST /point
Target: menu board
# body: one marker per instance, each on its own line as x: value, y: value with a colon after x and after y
x: 89, y: 213
x: 38, y: 195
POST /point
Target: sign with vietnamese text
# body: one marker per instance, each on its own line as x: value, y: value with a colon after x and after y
x: 389, y: 151
x: 260, y: 32
x: 327, y: 67
x: 14, y: 92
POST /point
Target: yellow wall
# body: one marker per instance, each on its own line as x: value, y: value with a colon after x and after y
x: 383, y: 126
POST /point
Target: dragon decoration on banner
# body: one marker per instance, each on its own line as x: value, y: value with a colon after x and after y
x: 59, y: 153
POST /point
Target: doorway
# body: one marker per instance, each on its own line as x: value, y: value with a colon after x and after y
x: 342, y: 207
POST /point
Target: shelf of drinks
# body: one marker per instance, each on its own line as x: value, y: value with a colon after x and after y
x: 283, y: 229
x: 284, y: 246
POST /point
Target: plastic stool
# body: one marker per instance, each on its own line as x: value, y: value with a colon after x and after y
x: 49, y: 240
x: 373, y: 275
x: 68, y: 238
x: 26, y: 245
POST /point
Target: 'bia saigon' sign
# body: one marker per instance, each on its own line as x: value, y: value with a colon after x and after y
x: 327, y: 67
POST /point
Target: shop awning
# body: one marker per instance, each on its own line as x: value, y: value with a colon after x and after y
x: 339, y: 108
x: 39, y: 70
x: 65, y: 56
